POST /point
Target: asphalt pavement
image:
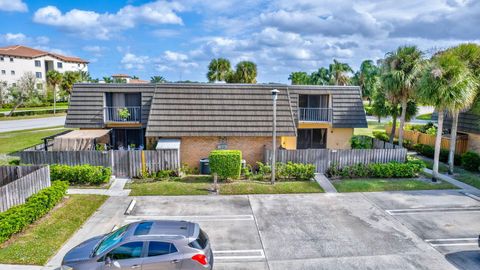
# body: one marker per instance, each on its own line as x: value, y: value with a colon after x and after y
x: 13, y: 125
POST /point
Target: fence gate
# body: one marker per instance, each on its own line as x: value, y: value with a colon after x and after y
x: 121, y: 163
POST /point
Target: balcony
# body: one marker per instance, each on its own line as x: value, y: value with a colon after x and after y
x: 315, y: 114
x: 122, y: 114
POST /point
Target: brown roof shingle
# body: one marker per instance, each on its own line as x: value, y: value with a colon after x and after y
x: 27, y: 52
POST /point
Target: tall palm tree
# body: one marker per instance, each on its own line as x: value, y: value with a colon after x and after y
x: 320, y: 77
x: 446, y: 84
x: 218, y: 70
x: 367, y: 78
x: 158, y: 79
x: 403, y: 68
x: 54, y: 79
x: 246, y: 72
x: 107, y: 79
x: 339, y: 73
x: 299, y: 78
x: 470, y: 54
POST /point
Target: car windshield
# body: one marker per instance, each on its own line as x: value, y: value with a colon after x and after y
x: 110, y: 240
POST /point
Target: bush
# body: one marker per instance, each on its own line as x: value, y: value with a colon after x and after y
x: 226, y: 163
x: 15, y: 219
x: 361, y: 142
x: 81, y: 174
x: 409, y: 169
x: 163, y: 174
x: 429, y: 151
x: 294, y: 171
x: 381, y: 135
x: 471, y: 161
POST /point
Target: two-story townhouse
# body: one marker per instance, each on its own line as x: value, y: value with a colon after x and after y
x: 17, y: 60
x: 199, y: 118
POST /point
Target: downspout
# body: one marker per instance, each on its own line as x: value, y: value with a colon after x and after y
x: 291, y: 111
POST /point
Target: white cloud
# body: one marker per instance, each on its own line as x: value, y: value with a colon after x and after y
x: 93, y: 49
x: 90, y: 24
x: 22, y: 39
x: 13, y: 5
x: 132, y: 61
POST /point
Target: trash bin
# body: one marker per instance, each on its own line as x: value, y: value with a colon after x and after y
x: 204, y: 166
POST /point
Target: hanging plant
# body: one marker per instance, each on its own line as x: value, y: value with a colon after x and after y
x: 123, y: 113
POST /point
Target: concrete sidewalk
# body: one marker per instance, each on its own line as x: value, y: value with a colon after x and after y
x: 453, y: 181
x: 323, y: 181
x: 116, y: 189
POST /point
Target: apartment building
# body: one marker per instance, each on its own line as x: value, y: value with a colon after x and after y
x: 17, y: 60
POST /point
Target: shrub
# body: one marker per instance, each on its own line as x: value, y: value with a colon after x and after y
x: 15, y: 219
x: 409, y: 169
x: 294, y: 171
x: 471, y: 161
x: 361, y: 142
x: 163, y: 174
x: 226, y: 163
x: 381, y: 135
x: 81, y: 174
x: 429, y: 151
x: 264, y: 169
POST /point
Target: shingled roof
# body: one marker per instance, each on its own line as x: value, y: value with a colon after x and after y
x: 467, y: 122
x: 27, y: 52
x: 218, y: 110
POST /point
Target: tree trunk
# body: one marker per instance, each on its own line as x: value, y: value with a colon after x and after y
x: 402, y: 122
x: 54, y: 98
x: 379, y: 119
x: 369, y: 101
x: 438, y: 141
x: 14, y: 108
x: 394, y: 127
x: 453, y: 142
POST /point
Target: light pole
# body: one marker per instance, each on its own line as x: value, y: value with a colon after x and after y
x: 274, y: 132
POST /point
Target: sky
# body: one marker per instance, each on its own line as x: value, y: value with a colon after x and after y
x: 177, y: 39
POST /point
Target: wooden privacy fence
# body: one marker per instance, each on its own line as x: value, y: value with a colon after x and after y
x: 123, y: 163
x: 417, y: 137
x: 324, y: 158
x: 17, y: 183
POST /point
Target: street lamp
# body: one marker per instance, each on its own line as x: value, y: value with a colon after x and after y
x: 274, y: 133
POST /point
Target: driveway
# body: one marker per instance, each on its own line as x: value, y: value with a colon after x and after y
x: 316, y: 231
x: 12, y: 125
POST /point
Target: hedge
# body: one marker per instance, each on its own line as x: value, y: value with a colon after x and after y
x: 429, y: 151
x: 15, y: 219
x: 226, y: 163
x: 285, y: 171
x: 409, y: 169
x: 80, y: 174
x: 471, y: 161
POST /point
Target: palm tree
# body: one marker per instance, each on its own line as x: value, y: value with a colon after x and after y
x: 403, y: 68
x: 84, y: 76
x: 367, y: 78
x: 54, y: 79
x: 69, y: 79
x: 158, y: 79
x: 470, y: 54
x: 246, y: 72
x: 447, y: 84
x: 107, y: 79
x: 218, y: 70
x: 299, y: 78
x: 339, y: 73
x: 320, y: 77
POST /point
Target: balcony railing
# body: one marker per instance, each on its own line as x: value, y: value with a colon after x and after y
x: 122, y: 114
x: 315, y: 114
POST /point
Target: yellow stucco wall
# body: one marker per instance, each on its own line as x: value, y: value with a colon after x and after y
x: 474, y: 142
x: 337, y: 138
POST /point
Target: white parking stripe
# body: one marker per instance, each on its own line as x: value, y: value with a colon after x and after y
x: 454, y: 244
x: 246, y: 254
x: 447, y: 242
x: 451, y: 239
x: 195, y: 218
x: 408, y: 211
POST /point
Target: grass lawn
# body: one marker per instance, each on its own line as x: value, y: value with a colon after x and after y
x: 372, y: 126
x: 427, y: 116
x: 256, y: 187
x: 201, y: 185
x: 369, y: 185
x: 462, y: 175
x: 36, y: 116
x: 13, y: 141
x: 43, y: 239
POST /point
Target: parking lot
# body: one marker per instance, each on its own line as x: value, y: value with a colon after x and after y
x: 387, y: 230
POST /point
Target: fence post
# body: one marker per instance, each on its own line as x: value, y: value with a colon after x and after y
x: 112, y: 161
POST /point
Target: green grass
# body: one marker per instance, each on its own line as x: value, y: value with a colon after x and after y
x: 427, y: 116
x: 462, y: 175
x: 201, y: 185
x: 36, y: 116
x: 60, y: 105
x: 191, y: 185
x: 253, y: 187
x: 372, y: 126
x: 370, y: 185
x: 14, y: 141
x: 43, y: 239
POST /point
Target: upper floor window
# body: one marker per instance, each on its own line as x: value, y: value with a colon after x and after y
x: 4, y: 72
x: 38, y: 75
x: 39, y: 86
x: 59, y: 65
x: 313, y: 101
x: 12, y: 72
x: 11, y: 59
x: 37, y: 63
x: 78, y: 65
x: 1, y: 58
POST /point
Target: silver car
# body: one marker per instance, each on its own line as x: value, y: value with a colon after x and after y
x: 144, y: 245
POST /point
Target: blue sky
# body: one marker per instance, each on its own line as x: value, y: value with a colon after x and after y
x: 177, y: 39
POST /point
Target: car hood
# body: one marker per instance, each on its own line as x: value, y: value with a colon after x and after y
x: 82, y: 251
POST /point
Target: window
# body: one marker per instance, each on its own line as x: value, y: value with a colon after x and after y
x: 11, y: 59
x: 111, y: 240
x: 38, y: 75
x: 12, y: 72
x: 1, y: 58
x: 312, y: 138
x: 4, y: 72
x: 39, y: 86
x: 143, y: 228
x: 127, y: 251
x: 37, y: 63
x: 59, y: 65
x: 313, y: 101
x: 160, y: 248
x: 78, y: 65
x: 201, y: 242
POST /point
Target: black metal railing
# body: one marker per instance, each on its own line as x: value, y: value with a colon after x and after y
x: 315, y: 114
x: 122, y: 114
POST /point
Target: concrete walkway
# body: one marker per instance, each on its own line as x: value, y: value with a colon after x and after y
x: 20, y: 267
x: 116, y: 189
x: 323, y: 181
x: 452, y: 181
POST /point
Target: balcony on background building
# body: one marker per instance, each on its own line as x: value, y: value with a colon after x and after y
x: 122, y: 114
x: 315, y: 114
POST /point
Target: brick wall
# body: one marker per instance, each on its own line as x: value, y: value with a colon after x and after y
x: 195, y: 148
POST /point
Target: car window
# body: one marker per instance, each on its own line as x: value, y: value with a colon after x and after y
x: 160, y: 248
x: 200, y: 242
x: 111, y: 240
x: 126, y: 251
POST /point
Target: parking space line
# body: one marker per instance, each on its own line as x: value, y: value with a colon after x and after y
x: 195, y: 218
x: 451, y: 239
x: 454, y: 244
x: 246, y: 254
x: 407, y: 211
x: 447, y: 242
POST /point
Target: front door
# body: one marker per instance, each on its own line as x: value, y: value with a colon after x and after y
x: 312, y: 138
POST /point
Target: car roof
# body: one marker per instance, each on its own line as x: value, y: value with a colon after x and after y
x: 162, y: 229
